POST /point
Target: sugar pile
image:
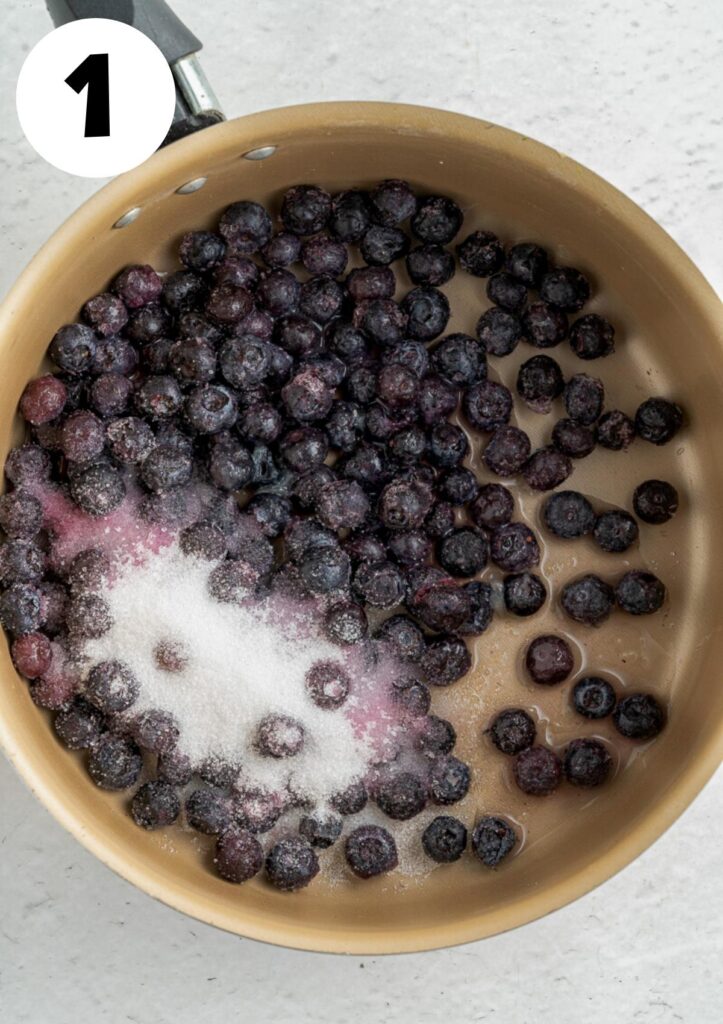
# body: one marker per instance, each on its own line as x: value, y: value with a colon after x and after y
x: 241, y: 663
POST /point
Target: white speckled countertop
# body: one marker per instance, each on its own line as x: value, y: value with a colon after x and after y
x: 632, y: 89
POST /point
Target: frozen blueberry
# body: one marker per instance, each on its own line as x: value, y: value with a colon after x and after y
x: 149, y: 324
x: 43, y: 399
x: 404, y: 504
x: 460, y: 359
x: 106, y: 314
x: 615, y: 530
x: 514, y: 547
x: 464, y: 552
x: 281, y: 250
x: 480, y: 253
x: 341, y: 504
x: 21, y: 515
x: 449, y: 780
x: 546, y: 469
x: 507, y: 451
x: 305, y: 209
x: 392, y: 201
x: 430, y: 265
x: 437, y: 220
x: 324, y: 255
x: 409, y: 445
x: 98, y: 490
x: 158, y: 397
x: 115, y: 762
x: 655, y: 501
x: 487, y: 405
x: 351, y: 800
x: 328, y: 684
x: 403, y: 637
x: 435, y: 736
x: 565, y: 288
x: 208, y: 811
x: 230, y: 465
x: 437, y: 399
x: 380, y: 246
x: 440, y: 520
x: 21, y: 561
x: 512, y: 730
x: 324, y: 569
x: 291, y: 864
x: 397, y: 386
x: 409, y: 547
x: 307, y: 397
x: 568, y: 514
x: 499, y: 331
x: 439, y: 603
x: 73, y: 348
x: 155, y: 805
x: 321, y: 830
x: 640, y: 593
x: 210, y: 408
x: 527, y: 262
x: 379, y: 584
x: 246, y: 227
x: 370, y: 851
x: 537, y: 771
x: 524, y: 593
x: 584, y: 397
x: 639, y: 717
x: 658, y: 420
x: 459, y: 486
x: 32, y: 654
x: 183, y: 290
x: 412, y: 697
x: 445, y: 661
x: 615, y: 431
x: 365, y: 283
x: 549, y: 660
x: 227, y: 304
x: 109, y: 394
x: 279, y: 292
x: 321, y: 298
x: 138, y: 285
x: 588, y: 600
x: 427, y: 311
x: 279, y: 736
x: 79, y: 726
x: 111, y: 686
x: 444, y: 839
x: 203, y: 540
x: 493, y: 507
x: 401, y: 797
x: 365, y: 547
x: 493, y: 839
x: 304, y: 448
x: 27, y: 464
x: 351, y: 213
x: 271, y: 511
x: 192, y: 360
x: 82, y: 437
x: 592, y: 337
x: 54, y: 603
x: 539, y: 382
x: 239, y: 856
x: 175, y: 767
x: 258, y: 810
x: 240, y: 271
x: 506, y: 291
x: 164, y: 468
x: 381, y: 320
x: 593, y: 697
x: 573, y: 439
x: 304, y: 534
x: 586, y: 762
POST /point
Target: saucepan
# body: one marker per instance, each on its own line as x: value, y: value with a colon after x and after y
x: 670, y: 343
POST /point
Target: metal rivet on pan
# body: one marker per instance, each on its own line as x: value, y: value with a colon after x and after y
x: 128, y: 217
x: 260, y: 154
x: 191, y: 186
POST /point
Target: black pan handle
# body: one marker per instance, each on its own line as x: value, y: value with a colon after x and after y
x: 196, y: 103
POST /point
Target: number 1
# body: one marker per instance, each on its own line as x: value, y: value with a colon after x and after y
x: 93, y: 72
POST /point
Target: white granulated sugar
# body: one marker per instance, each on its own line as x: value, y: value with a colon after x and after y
x: 243, y: 663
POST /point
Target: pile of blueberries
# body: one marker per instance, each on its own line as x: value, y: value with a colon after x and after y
x: 315, y: 408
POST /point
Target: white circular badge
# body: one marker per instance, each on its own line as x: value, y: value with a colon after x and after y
x: 95, y: 97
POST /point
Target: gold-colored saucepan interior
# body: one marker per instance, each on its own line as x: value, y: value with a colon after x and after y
x: 669, y: 343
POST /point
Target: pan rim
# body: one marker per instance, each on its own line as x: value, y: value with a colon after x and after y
x: 344, y: 116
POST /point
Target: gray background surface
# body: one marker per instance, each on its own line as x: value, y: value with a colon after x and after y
x: 632, y: 89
